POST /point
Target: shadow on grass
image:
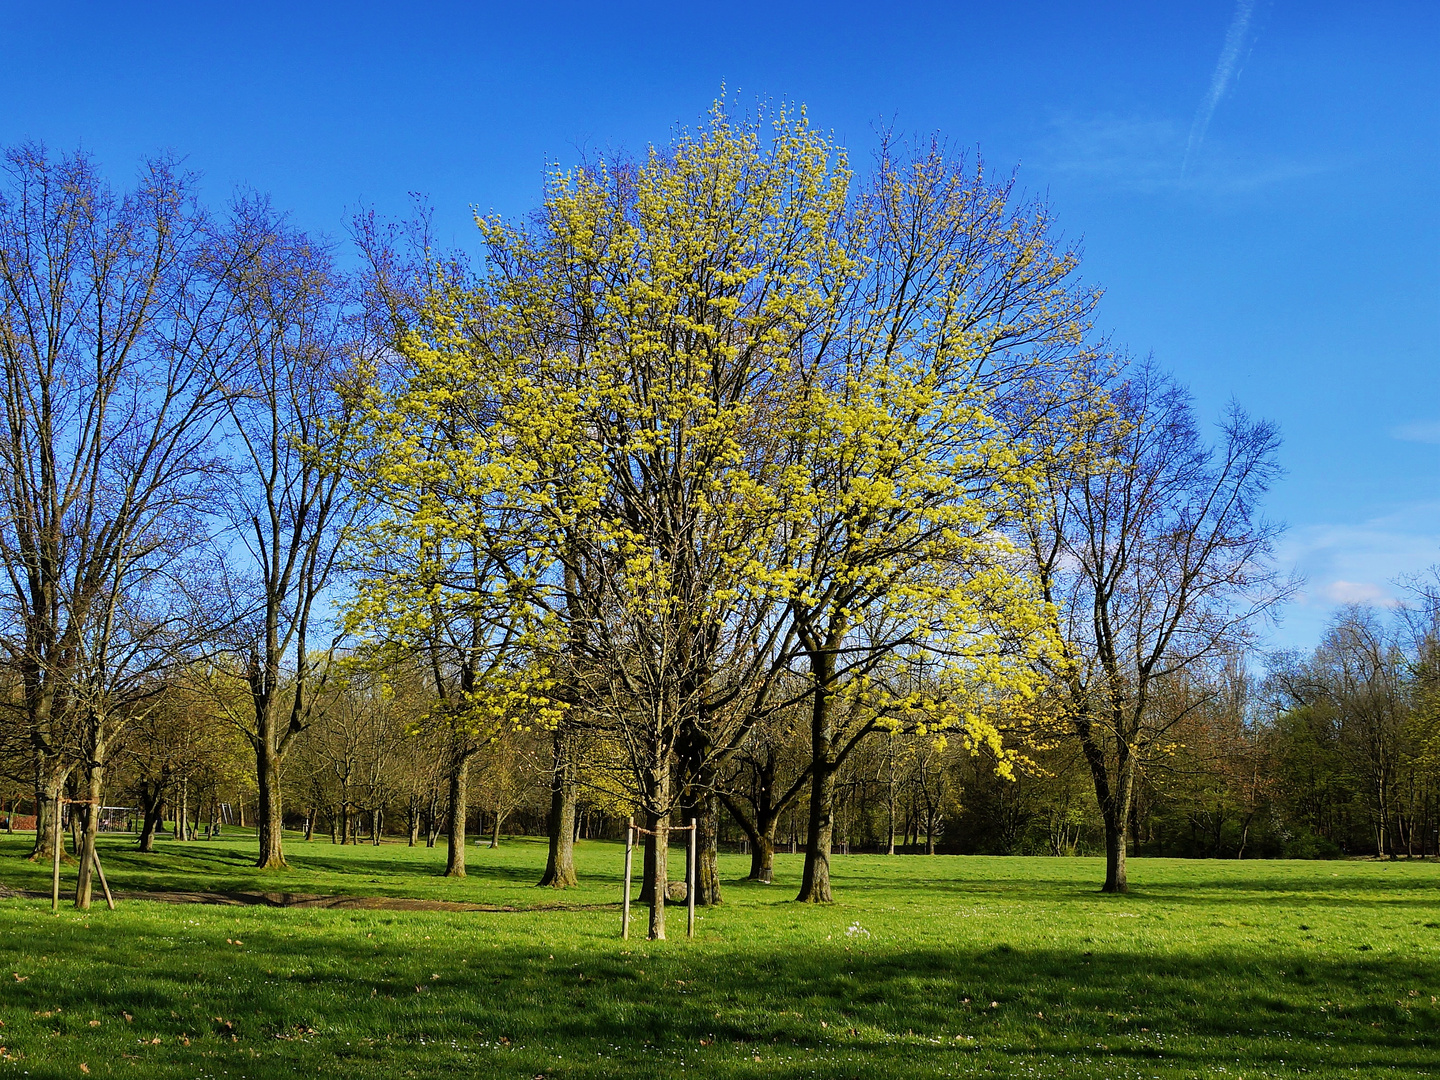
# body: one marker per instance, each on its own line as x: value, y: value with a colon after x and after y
x: 865, y: 998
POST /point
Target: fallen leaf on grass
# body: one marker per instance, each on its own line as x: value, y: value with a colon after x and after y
x: 19, y: 977
x: 84, y: 1068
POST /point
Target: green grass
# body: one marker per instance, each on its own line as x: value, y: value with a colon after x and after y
x: 925, y: 967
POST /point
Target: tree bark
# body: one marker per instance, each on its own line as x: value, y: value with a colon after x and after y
x: 269, y: 814
x: 658, y: 842
x: 647, y: 870
x: 890, y: 801
x: 815, y: 882
x: 152, y: 806
x: 182, y: 812
x: 90, y: 822
x: 1115, y: 881
x: 707, y: 889
x: 459, y: 808
x: 706, y: 812
x: 762, y: 856
x: 50, y: 777
x: 762, y: 829
x: 1113, y: 800
x: 560, y: 862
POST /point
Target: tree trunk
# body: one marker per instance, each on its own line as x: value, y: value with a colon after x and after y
x: 707, y: 849
x: 815, y: 882
x: 647, y: 870
x: 890, y: 833
x: 1114, y: 854
x: 659, y: 843
x: 269, y: 816
x: 414, y: 811
x: 495, y: 836
x: 50, y: 779
x: 85, y: 850
x: 459, y: 785
x: 762, y: 856
x: 182, y: 812
x: 1114, y: 803
x: 151, y: 807
x: 560, y: 862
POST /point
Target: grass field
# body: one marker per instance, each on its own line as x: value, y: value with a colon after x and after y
x: 924, y: 967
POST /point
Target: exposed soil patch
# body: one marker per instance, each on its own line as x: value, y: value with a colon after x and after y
x: 316, y: 900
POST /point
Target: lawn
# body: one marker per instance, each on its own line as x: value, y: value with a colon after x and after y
x: 924, y: 967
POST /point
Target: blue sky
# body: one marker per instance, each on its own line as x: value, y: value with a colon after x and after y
x: 1255, y: 182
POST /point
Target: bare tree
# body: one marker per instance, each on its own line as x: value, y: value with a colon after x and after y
x: 1151, y: 548
x: 112, y: 335
x: 292, y: 406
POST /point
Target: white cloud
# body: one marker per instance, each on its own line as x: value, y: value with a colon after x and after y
x: 1358, y: 592
x: 1424, y: 431
x: 1362, y: 562
x: 1143, y: 154
x: 1225, y: 69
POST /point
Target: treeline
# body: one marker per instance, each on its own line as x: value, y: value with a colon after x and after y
x: 731, y: 485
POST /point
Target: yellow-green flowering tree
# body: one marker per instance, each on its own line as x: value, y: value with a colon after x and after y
x: 733, y: 426
x: 905, y: 598
x: 446, y: 569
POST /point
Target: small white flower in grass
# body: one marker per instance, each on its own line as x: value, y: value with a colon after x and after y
x: 855, y: 930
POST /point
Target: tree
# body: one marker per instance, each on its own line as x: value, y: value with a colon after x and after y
x: 768, y: 773
x: 904, y: 473
x: 1371, y: 700
x: 634, y: 343
x: 115, y: 359
x: 744, y: 417
x: 1154, y: 556
x: 292, y: 409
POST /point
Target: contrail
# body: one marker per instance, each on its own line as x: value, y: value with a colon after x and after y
x: 1229, y: 58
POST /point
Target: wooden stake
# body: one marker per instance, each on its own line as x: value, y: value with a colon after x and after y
x: 690, y: 884
x: 55, y: 870
x: 99, y: 870
x: 629, y: 847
